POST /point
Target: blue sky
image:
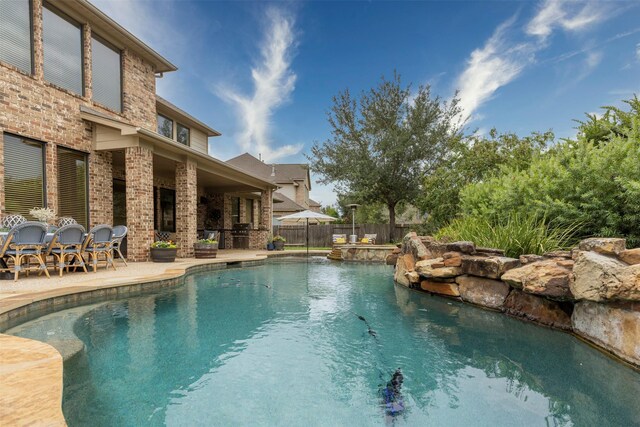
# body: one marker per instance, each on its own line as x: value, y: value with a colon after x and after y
x: 263, y: 73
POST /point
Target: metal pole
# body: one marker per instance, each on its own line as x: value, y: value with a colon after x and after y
x: 307, y: 239
x: 353, y: 220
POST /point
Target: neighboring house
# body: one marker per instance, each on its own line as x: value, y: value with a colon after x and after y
x: 83, y: 132
x: 293, y: 181
x: 315, y: 206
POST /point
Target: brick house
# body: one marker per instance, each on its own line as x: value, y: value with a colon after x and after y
x: 83, y: 132
x: 293, y: 181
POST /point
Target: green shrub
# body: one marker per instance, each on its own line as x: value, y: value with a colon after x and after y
x: 516, y: 234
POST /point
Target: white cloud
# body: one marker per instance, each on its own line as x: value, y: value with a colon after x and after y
x: 273, y: 82
x: 593, y: 59
x: 570, y: 16
x: 501, y: 60
x: 494, y: 65
x: 638, y: 51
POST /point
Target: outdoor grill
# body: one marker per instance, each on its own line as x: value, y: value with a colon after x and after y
x: 240, y: 234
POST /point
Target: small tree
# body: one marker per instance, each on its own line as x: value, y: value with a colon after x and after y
x: 382, y: 143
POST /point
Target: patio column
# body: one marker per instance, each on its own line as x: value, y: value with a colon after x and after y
x: 267, y: 212
x: 139, y: 175
x: 186, y: 207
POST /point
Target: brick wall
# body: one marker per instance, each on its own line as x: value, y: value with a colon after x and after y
x: 139, y: 176
x: 100, y: 188
x: 33, y: 108
x: 139, y: 91
x: 186, y: 207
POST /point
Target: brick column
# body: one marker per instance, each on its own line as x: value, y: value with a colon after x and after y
x: 1, y: 173
x: 139, y: 176
x: 38, y: 52
x: 186, y: 207
x: 226, y: 221
x: 88, y: 79
x: 267, y: 212
x: 51, y: 173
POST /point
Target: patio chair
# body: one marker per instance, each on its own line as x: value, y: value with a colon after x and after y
x: 67, y: 243
x: 119, y: 233
x: 66, y: 220
x: 11, y: 221
x: 26, y: 242
x: 99, y: 241
x: 369, y: 238
x: 339, y: 239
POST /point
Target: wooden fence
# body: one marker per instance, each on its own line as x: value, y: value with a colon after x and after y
x: 320, y: 234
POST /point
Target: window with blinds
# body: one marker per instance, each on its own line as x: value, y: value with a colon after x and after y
x: 24, y: 176
x: 72, y: 185
x: 183, y: 134
x: 15, y: 34
x: 62, y: 45
x: 106, y: 74
x: 165, y: 126
x: 235, y: 210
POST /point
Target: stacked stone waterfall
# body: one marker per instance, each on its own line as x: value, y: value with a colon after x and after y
x: 592, y: 290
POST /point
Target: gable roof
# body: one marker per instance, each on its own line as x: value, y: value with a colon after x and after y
x: 286, y: 205
x: 283, y: 173
x: 314, y: 203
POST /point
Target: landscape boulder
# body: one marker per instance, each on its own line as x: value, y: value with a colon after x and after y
x: 604, y: 245
x: 557, y: 254
x: 545, y: 278
x: 529, y: 258
x: 630, y: 256
x: 484, y: 292
x: 412, y: 244
x: 441, y: 288
x: 615, y: 327
x: 537, y: 309
x: 601, y: 278
x: 391, y: 259
x: 491, y: 267
x: 452, y: 259
x: 400, y: 273
x: 435, y: 268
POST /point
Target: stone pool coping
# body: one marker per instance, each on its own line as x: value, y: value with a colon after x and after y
x: 31, y: 371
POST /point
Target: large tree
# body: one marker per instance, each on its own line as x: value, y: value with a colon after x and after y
x: 384, y: 141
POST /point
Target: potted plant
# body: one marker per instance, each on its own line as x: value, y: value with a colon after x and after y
x: 206, y: 248
x: 44, y: 215
x: 278, y: 242
x: 270, y: 245
x: 163, y: 251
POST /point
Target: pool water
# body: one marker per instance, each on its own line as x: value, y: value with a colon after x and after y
x: 294, y: 343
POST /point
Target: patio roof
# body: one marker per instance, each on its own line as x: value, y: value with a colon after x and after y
x: 114, y: 135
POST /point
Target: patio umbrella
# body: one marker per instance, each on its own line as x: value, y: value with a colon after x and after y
x: 308, y: 215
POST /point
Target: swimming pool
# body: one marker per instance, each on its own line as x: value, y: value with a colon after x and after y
x: 290, y: 343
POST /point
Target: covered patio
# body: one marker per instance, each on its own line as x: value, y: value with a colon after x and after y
x: 162, y: 189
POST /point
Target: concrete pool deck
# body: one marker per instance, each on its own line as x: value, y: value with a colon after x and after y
x: 31, y: 371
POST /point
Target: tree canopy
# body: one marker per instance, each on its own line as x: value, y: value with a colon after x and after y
x: 591, y: 183
x: 473, y: 159
x: 383, y: 141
